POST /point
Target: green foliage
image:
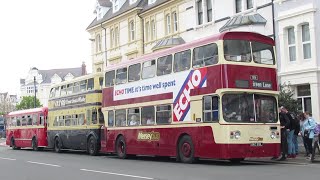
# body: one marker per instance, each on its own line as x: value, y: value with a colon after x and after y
x: 27, y: 102
x: 286, y: 99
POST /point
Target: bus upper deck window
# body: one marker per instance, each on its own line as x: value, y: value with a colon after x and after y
x: 76, y: 87
x: 182, y: 61
x: 205, y: 55
x: 101, y: 117
x: 90, y: 84
x: 109, y: 78
x: 164, y: 65
x: 100, y: 82
x: 134, y: 72
x: 69, y: 88
x: 149, y: 69
x: 262, y: 53
x: 121, y: 76
x: 63, y: 90
x: 83, y: 85
x: 237, y: 50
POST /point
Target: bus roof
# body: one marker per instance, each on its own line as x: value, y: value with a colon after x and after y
x: 34, y: 110
x: 232, y: 35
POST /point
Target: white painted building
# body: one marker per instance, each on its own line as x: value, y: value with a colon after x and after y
x: 298, y: 28
x: 45, y: 78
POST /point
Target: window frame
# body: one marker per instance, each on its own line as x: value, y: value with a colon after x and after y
x: 292, y: 45
x: 306, y: 41
x: 211, y: 110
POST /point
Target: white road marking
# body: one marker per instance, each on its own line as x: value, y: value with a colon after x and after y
x: 117, y: 174
x: 45, y: 164
x: 7, y: 159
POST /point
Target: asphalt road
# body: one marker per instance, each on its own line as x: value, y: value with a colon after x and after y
x: 47, y: 165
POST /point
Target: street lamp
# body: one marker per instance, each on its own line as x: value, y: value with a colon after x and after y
x: 34, y: 73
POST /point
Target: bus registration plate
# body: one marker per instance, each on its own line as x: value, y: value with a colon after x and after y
x: 256, y: 144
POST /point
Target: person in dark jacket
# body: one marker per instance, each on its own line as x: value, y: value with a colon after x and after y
x: 296, y: 133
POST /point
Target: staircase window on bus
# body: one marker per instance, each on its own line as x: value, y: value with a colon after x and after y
x: 83, y: 85
x: 69, y: 89
x: 23, y: 121
x: 121, y: 76
x: 210, y: 108
x: 110, y: 118
x: 76, y: 87
x: 133, y: 117
x: 134, y: 72
x: 149, y: 69
x: 147, y: 114
x: 29, y: 118
x: 109, y: 78
x: 68, y: 120
x: 237, y: 50
x: 81, y: 119
x: 61, y: 121
x: 120, y: 118
x: 205, y: 56
x: 182, y: 61
x: 164, y: 65
x: 163, y: 114
x: 90, y: 84
x: 101, y: 117
x: 74, y: 120
x: 94, y: 116
x: 63, y: 90
x: 88, y: 116
x: 18, y: 121
x: 262, y: 53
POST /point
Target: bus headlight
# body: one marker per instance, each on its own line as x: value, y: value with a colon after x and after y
x: 273, y: 135
x: 235, y: 135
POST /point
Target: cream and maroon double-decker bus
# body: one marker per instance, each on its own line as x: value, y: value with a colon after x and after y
x: 211, y: 98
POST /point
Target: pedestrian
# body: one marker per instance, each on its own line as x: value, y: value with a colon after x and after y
x: 296, y: 134
x: 284, y: 125
x: 290, y: 132
x: 302, y: 119
x: 308, y: 131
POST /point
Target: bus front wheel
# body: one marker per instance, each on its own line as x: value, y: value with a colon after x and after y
x: 57, y: 145
x: 92, y: 146
x: 186, y: 150
x: 13, y: 144
x: 121, y: 148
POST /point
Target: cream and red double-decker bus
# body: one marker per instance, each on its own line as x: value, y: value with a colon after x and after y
x: 211, y: 98
x: 27, y: 128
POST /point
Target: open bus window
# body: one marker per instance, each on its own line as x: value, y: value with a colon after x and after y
x: 83, y: 86
x: 149, y: 69
x: 210, y: 109
x: 121, y: 76
x: 164, y: 65
x: 94, y: 116
x: 182, y: 61
x: 29, y: 123
x: 63, y: 90
x: 133, y: 117
x: 134, y: 72
x: 110, y: 118
x: 109, y: 78
x: 237, y: 50
x: 90, y: 84
x: 74, y: 120
x: 23, y: 121
x: 147, y: 114
x: 266, y: 109
x: 164, y: 114
x: 76, y: 87
x: 35, y: 119
x: 120, y: 118
x: 205, y: 55
x: 263, y: 53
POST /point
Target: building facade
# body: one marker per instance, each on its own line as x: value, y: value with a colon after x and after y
x: 45, y: 78
x: 125, y: 29
x: 7, y: 103
x: 297, y: 37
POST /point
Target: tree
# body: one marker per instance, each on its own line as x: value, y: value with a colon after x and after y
x: 27, y: 102
x: 286, y: 99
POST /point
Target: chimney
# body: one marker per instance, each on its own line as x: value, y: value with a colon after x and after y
x: 83, y: 69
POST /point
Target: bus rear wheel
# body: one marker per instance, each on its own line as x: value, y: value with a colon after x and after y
x: 13, y: 144
x: 186, y: 150
x: 92, y: 146
x: 121, y: 148
x: 57, y: 145
x: 35, y: 144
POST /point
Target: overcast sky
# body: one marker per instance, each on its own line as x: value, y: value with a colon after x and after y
x: 42, y: 34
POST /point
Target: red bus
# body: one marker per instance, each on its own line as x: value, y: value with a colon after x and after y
x: 212, y: 98
x: 27, y: 128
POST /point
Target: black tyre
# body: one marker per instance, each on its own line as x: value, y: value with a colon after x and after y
x: 92, y: 146
x: 34, y: 144
x: 57, y: 145
x: 121, y: 148
x: 13, y: 144
x: 186, y: 150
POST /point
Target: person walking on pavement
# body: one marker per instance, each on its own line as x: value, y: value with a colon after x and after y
x: 302, y: 119
x: 308, y: 131
x: 290, y: 132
